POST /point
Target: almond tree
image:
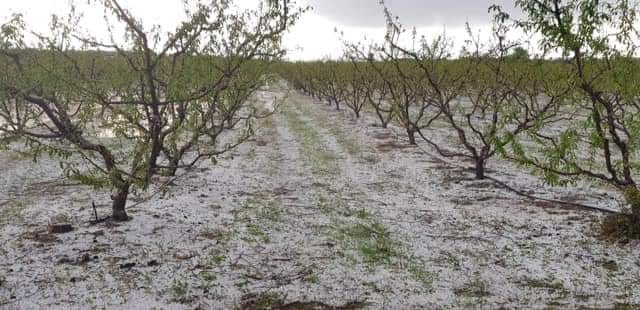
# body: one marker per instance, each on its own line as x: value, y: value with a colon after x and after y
x: 356, y: 90
x: 402, y: 82
x: 332, y: 84
x: 374, y: 89
x: 142, y: 101
x: 377, y: 94
x: 478, y: 96
x: 303, y: 76
x: 597, y: 39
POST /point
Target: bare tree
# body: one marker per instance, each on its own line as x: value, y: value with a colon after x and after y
x: 356, y: 91
x: 373, y: 88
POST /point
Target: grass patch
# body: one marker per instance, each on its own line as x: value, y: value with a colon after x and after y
x: 329, y: 206
x: 419, y: 273
x: 363, y: 214
x: 448, y: 259
x: 213, y: 258
x: 312, y: 278
x: 548, y: 284
x: 313, y: 149
x: 363, y: 239
x: 258, y: 234
x: 217, y: 233
x: 259, y: 217
x: 179, y: 290
x: 346, y: 142
x: 271, y: 211
x: 372, y: 241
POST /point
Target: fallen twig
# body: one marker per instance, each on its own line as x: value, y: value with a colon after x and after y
x: 320, y: 305
x: 567, y: 203
x: 98, y: 221
x: 95, y: 211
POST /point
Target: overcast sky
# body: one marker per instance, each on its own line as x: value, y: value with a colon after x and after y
x: 314, y: 36
x: 368, y: 13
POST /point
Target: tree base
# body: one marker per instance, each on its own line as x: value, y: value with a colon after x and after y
x: 120, y: 216
x: 620, y: 227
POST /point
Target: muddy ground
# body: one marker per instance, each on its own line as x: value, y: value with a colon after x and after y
x: 319, y: 210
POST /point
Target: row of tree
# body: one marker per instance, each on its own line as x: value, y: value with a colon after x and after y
x: 576, y: 116
x: 138, y: 102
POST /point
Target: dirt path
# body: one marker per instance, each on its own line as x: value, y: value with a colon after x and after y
x: 317, y: 210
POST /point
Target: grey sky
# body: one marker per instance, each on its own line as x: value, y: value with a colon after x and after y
x: 313, y: 37
x: 368, y: 13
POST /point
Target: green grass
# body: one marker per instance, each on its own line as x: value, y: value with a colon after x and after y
x: 448, y: 259
x: 347, y: 143
x: 372, y: 241
x: 271, y: 211
x: 258, y: 233
x: 259, y: 216
x: 419, y: 273
x: 180, y: 290
x: 329, y: 206
x: 214, y: 258
x: 363, y: 214
x: 363, y: 239
x: 313, y: 148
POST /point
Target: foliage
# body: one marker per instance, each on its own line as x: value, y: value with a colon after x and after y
x: 149, y: 103
x: 569, y: 118
x: 598, y: 40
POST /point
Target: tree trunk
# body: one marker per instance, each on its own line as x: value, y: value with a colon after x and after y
x: 385, y: 124
x: 119, y: 199
x: 412, y: 136
x: 173, y: 168
x: 381, y: 118
x: 632, y: 196
x: 480, y: 169
x: 635, y: 218
x: 156, y: 147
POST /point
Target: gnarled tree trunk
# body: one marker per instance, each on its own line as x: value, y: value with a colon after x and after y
x: 412, y: 136
x: 119, y: 198
x: 635, y: 218
x: 384, y: 122
x: 632, y: 197
x: 479, y: 169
